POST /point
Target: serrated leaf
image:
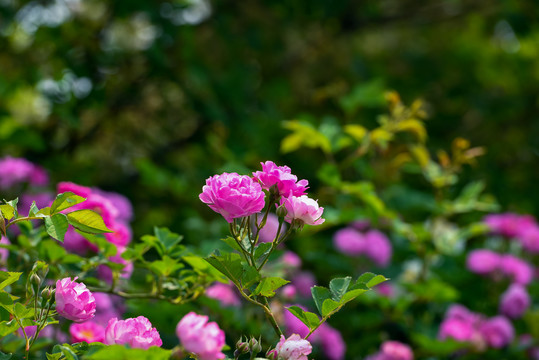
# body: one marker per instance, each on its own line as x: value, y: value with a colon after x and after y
x: 249, y: 276
x: 167, y: 238
x: 7, y: 327
x: 166, y: 266
x: 268, y: 285
x: 87, y: 221
x: 308, y: 318
x: 22, y: 312
x: 229, y: 264
x: 329, y: 307
x: 8, y: 212
x: 8, y: 278
x: 230, y: 241
x: 352, y: 294
x: 338, y: 287
x: 64, y: 201
x: 56, y: 226
x: 320, y: 294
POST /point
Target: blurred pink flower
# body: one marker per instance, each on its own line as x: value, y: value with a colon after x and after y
x: 378, y: 247
x: 269, y: 231
x: 519, y: 270
x: 4, y: 253
x: 200, y: 337
x: 509, y: 224
x: 304, y: 281
x: 530, y: 239
x: 42, y: 200
x: 76, y: 189
x: 385, y: 289
x: 349, y: 241
x: 107, y: 307
x: 121, y: 234
x: 88, y: 331
x: 232, y: 195
x: 287, y: 184
x: 289, y: 292
x: 135, y: 332
x: 74, y: 301
x: 497, y: 331
x: 224, y: 293
x: 119, y: 201
x: 291, y: 260
x: 332, y: 342
x: 76, y: 243
x: 304, y: 209
x: 293, y: 348
x: 15, y: 171
x: 483, y: 261
x: 515, y: 301
x: 458, y: 329
x: 104, y: 272
x: 395, y: 350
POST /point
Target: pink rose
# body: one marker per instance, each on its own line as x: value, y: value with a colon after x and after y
x: 74, y: 301
x: 200, y: 337
x: 87, y: 331
x: 509, y: 224
x: 76, y: 189
x: 303, y: 282
x: 287, y: 184
x: 332, y: 342
x: 269, y: 231
x: 458, y: 329
x: 232, y: 195
x: 293, y: 348
x: 135, y: 332
x: 515, y: 301
x: 15, y: 171
x: 291, y: 260
x: 121, y: 234
x: 303, y: 209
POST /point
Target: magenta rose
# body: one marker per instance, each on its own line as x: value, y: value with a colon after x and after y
x: 497, y: 331
x: 135, y: 332
x: 282, y: 178
x: 200, y: 337
x: 232, y: 195
x: 483, y: 261
x: 515, y: 301
x: 224, y: 293
x: 88, y: 331
x: 74, y: 301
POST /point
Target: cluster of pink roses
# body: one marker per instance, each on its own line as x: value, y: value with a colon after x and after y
x: 487, y: 262
x: 463, y: 325
x: 353, y: 241
x: 237, y: 196
x: 524, y: 228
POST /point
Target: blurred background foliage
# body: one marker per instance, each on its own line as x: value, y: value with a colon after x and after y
x: 149, y: 98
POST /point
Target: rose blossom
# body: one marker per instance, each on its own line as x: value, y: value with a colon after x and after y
x: 291, y: 260
x: 108, y: 307
x: 233, y: 195
x: 74, y: 301
x: 14, y: 171
x: 303, y: 209
x: 395, y: 350
x: 508, y: 224
x: 135, y: 332
x: 287, y: 184
x: 200, y: 337
x: 87, y: 331
x: 293, y: 348
x: 304, y: 281
x: 4, y: 253
x: 269, y: 231
x: 483, y: 261
x: 497, y: 331
x: 515, y: 301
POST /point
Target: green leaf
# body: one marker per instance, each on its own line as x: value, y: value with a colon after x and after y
x: 56, y: 356
x: 65, y: 201
x: 165, y: 267
x: 56, y: 226
x: 7, y: 327
x: 230, y: 241
x: 8, y: 212
x: 320, y: 294
x: 249, y: 276
x: 308, y: 318
x: 229, y: 264
x: 66, y: 351
x: 23, y: 312
x: 88, y: 221
x: 8, y: 278
x: 119, y: 352
x: 268, y: 285
x: 5, y: 356
x: 338, y: 287
x: 167, y: 238
x: 329, y: 307
x: 51, y: 251
x: 370, y: 279
x: 33, y: 209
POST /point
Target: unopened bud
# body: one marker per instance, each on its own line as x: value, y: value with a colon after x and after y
x: 46, y: 293
x: 241, y: 347
x: 35, y: 279
x: 254, y: 346
x: 281, y: 211
x: 272, y: 354
x: 178, y: 353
